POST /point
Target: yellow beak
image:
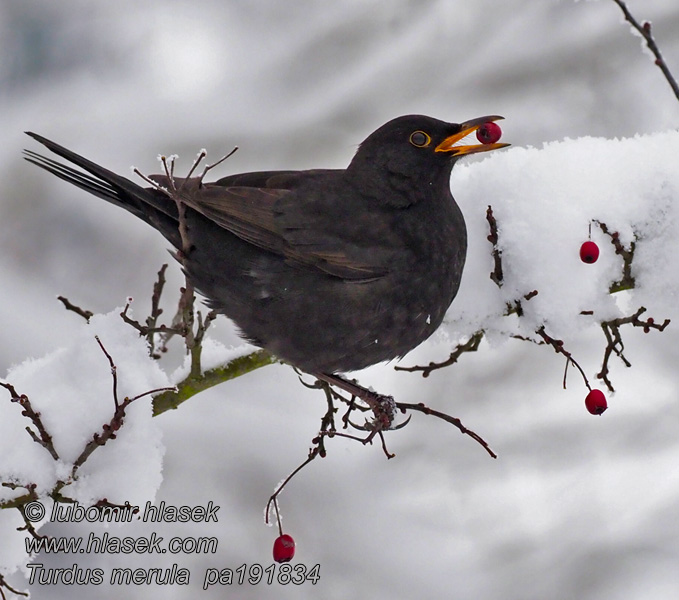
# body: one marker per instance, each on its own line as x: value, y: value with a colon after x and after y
x: 448, y: 145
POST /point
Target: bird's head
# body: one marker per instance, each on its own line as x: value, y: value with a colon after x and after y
x: 417, y: 150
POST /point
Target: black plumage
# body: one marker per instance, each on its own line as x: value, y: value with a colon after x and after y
x: 329, y: 270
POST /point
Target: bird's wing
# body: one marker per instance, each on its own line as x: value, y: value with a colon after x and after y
x: 257, y: 216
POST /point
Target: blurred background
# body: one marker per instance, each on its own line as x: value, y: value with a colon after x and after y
x: 575, y: 507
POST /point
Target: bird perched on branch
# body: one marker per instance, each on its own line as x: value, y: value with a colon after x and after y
x: 329, y: 270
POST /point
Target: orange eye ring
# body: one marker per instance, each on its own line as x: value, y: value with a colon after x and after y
x: 420, y: 139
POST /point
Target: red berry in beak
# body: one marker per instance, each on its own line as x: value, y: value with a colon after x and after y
x: 596, y: 402
x: 489, y: 133
x: 589, y: 252
x: 283, y: 548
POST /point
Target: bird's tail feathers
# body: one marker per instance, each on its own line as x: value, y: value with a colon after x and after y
x: 101, y: 182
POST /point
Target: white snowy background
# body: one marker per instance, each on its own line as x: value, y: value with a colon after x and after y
x: 575, y: 506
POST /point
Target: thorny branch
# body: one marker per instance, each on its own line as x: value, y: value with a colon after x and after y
x: 108, y: 430
x: 626, y: 282
x: 403, y: 406
x: 610, y: 328
x: 186, y: 316
x: 152, y: 319
x: 28, y: 524
x: 615, y: 345
x: 85, y: 314
x: 159, y: 334
x: 496, y: 274
x: 645, y: 31
x: 558, y: 347
x: 44, y: 439
x: 471, y: 345
x: 329, y: 430
x: 7, y: 586
x: 19, y: 501
x: 516, y: 306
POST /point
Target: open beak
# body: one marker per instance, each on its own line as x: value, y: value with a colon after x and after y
x: 448, y: 145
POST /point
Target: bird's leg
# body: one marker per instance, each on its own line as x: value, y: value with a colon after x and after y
x: 383, y: 407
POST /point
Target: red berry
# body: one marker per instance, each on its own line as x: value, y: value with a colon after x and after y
x: 283, y: 548
x: 589, y: 252
x: 488, y: 133
x: 596, y: 402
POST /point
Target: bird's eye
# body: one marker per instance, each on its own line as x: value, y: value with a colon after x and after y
x: 420, y: 139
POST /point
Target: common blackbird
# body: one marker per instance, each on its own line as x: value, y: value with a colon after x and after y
x: 331, y: 270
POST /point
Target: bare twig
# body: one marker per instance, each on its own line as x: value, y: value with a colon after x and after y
x: 44, y: 439
x: 384, y: 444
x: 196, y: 349
x: 313, y: 453
x: 103, y: 504
x: 184, y: 320
x: 156, y: 311
x: 420, y: 407
x: 114, y: 371
x: 85, y: 314
x: 215, y: 164
x: 151, y: 182
x: 146, y: 331
x: 328, y: 419
x: 645, y: 31
x: 199, y: 159
x: 557, y: 345
x: 182, y: 323
x: 614, y: 343
x: 28, y: 524
x: 496, y: 274
x: 627, y: 281
x: 29, y: 496
x: 374, y: 428
x: 516, y: 307
x: 7, y: 586
x: 471, y: 345
x: 403, y: 407
x: 109, y: 429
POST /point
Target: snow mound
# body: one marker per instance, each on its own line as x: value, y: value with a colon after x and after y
x: 544, y: 201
